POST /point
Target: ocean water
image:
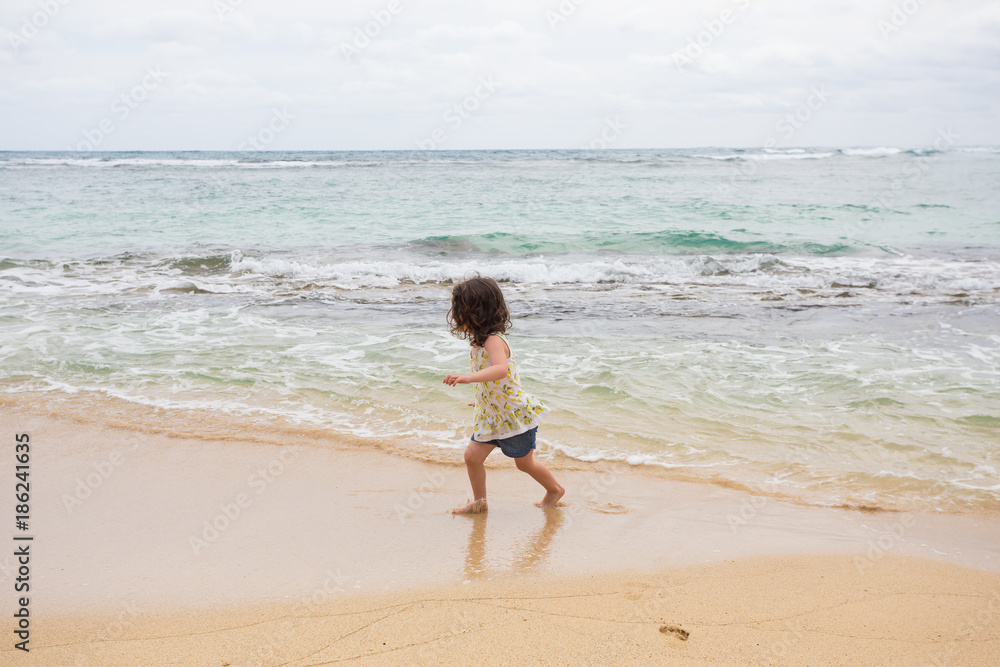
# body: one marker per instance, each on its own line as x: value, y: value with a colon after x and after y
x: 819, y: 324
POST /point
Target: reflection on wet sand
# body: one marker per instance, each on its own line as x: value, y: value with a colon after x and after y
x: 524, y: 558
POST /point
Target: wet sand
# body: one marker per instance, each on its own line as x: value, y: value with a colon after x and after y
x: 152, y: 549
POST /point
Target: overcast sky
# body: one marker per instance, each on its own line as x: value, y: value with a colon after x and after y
x: 301, y: 74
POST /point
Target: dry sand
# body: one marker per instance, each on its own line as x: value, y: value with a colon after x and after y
x: 187, y: 551
x: 803, y: 610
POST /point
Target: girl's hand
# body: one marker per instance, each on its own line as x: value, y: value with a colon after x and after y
x: 451, y: 379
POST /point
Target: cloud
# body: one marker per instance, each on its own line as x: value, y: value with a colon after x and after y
x: 747, y: 65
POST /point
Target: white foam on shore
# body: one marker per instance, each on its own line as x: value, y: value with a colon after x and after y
x: 879, y: 151
x: 757, y: 270
x: 263, y: 275
x: 767, y: 156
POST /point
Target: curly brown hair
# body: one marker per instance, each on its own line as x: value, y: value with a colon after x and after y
x: 477, y: 310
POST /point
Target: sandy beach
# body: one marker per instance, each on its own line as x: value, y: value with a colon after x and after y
x: 697, y: 305
x: 768, y: 610
x: 154, y: 548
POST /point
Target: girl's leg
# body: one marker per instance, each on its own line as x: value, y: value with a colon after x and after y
x: 475, y: 457
x: 541, y: 474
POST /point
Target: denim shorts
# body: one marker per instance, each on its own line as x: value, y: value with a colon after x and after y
x: 516, y: 446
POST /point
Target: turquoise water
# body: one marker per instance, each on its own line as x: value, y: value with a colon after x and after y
x: 821, y: 323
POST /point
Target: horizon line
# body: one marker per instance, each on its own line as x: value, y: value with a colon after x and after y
x: 474, y: 150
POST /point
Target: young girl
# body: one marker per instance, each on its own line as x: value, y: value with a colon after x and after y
x: 506, y: 416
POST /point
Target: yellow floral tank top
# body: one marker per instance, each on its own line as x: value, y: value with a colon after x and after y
x: 503, y: 408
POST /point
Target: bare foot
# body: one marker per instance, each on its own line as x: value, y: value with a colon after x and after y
x: 475, y: 507
x: 551, y: 498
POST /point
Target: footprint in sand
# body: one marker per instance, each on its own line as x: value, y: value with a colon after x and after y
x: 676, y: 631
x: 607, y: 508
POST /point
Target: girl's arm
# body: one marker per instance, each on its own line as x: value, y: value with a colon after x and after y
x: 497, y: 351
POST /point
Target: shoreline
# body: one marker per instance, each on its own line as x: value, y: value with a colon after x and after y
x: 144, y: 535
x: 100, y: 410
